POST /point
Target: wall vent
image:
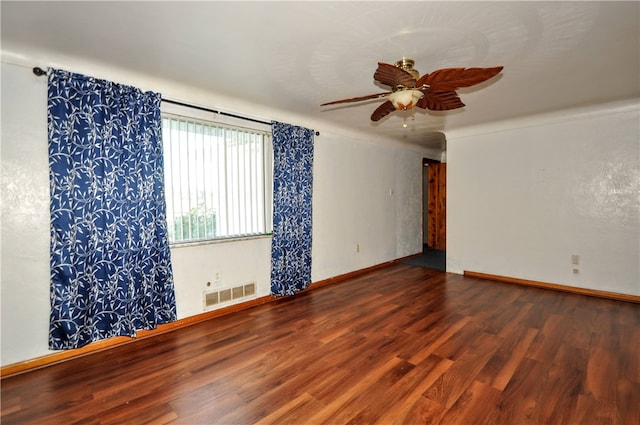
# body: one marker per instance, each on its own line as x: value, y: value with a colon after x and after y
x: 224, y: 296
x: 211, y: 298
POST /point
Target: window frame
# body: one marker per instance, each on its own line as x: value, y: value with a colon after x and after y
x: 182, y: 112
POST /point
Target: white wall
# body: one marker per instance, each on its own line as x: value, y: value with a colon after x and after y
x: 384, y: 222
x: 24, y: 198
x: 523, y: 197
x: 366, y: 193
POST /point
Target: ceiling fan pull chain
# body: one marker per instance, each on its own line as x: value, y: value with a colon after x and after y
x: 412, y: 113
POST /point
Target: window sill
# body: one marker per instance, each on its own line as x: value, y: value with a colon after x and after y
x: 219, y: 241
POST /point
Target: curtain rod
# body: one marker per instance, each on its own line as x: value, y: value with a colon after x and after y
x: 202, y: 108
x: 40, y: 72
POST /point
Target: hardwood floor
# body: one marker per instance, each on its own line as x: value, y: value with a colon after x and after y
x: 401, y: 345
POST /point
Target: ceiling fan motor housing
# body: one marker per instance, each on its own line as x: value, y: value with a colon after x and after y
x: 407, y: 65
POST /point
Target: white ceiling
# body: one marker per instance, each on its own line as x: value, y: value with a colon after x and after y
x: 293, y: 56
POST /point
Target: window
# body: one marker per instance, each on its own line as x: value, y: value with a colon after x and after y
x: 217, y: 180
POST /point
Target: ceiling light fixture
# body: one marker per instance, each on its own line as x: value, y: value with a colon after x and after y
x: 404, y: 98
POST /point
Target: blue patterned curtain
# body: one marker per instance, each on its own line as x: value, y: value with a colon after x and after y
x: 292, y: 191
x: 110, y: 262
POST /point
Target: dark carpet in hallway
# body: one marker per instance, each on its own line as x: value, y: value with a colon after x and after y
x: 430, y: 258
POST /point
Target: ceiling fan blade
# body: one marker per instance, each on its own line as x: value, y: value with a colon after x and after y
x: 453, y: 78
x: 357, y: 99
x: 393, y: 76
x: 422, y: 80
x: 383, y: 110
x: 439, y: 100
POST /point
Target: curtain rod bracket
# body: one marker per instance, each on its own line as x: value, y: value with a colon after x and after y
x: 39, y: 71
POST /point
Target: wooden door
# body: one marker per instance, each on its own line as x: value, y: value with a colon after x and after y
x: 437, y: 206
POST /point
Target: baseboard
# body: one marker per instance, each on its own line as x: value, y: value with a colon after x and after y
x: 356, y: 273
x: 57, y: 357
x: 556, y: 287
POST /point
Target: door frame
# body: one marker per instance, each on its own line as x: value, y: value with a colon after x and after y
x: 425, y: 201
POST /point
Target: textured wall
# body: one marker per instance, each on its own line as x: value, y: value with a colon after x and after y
x: 25, y: 215
x: 367, y: 205
x: 524, y: 197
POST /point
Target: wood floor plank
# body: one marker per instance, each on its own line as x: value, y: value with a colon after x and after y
x: 436, y: 338
x: 590, y: 411
x: 358, y: 408
x: 424, y: 411
x: 627, y: 405
x: 516, y: 324
x: 550, y: 337
x: 601, y: 367
x: 448, y: 388
x: 407, y: 392
x: 566, y: 377
x: 359, y: 385
x: 398, y: 345
x: 628, y: 364
x: 510, y: 359
x: 520, y: 399
x: 473, y: 406
x: 285, y: 414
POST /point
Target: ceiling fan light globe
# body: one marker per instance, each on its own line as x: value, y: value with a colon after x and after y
x: 405, y: 99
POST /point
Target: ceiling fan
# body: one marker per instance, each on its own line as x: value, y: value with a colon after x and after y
x: 435, y: 91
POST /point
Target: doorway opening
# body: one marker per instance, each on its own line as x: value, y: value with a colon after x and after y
x: 434, y: 212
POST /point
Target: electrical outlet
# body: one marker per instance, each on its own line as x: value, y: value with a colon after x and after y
x: 575, y: 259
x: 357, y: 247
x: 217, y: 277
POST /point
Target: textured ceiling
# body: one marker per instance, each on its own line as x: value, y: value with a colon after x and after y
x: 293, y: 56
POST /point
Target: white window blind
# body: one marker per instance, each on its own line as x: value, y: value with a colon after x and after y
x: 217, y: 180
